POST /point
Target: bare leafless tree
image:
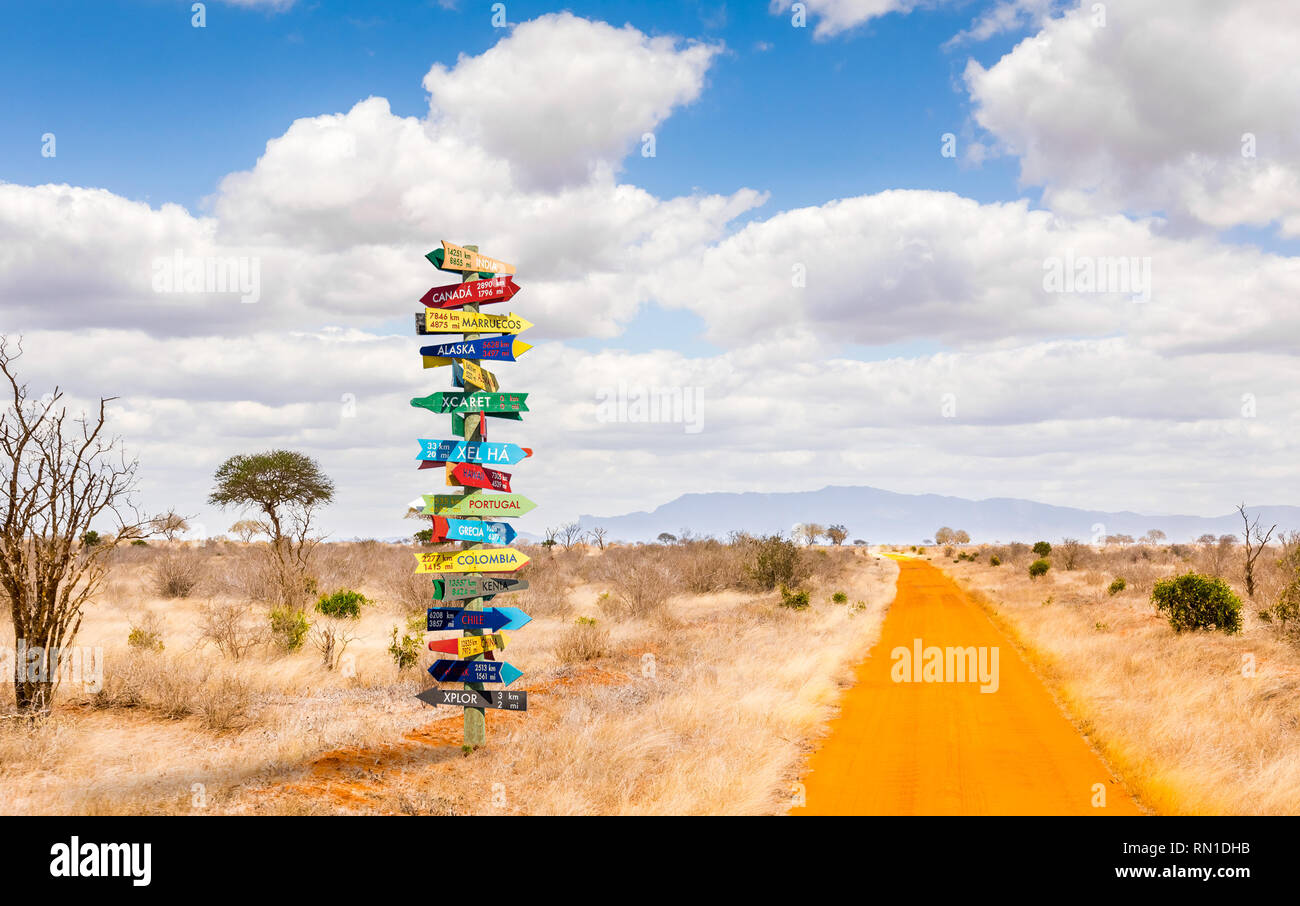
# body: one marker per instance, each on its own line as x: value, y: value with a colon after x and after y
x: 60, y: 474
x: 1255, y: 544
x: 570, y: 534
x: 597, y: 535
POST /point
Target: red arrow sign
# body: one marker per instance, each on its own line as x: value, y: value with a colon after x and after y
x: 456, y: 295
x: 472, y: 475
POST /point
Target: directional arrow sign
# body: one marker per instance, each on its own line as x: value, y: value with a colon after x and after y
x: 470, y: 645
x: 472, y: 530
x: 463, y: 372
x: 505, y: 348
x: 473, y: 698
x: 472, y: 451
x: 454, y: 258
x: 476, y: 504
x: 458, y: 588
x: 481, y: 560
x: 472, y: 475
x: 475, y: 672
x: 505, y: 405
x: 491, y: 619
x: 473, y: 292
x: 437, y: 320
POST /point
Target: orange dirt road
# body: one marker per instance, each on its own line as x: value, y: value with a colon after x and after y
x: 946, y: 748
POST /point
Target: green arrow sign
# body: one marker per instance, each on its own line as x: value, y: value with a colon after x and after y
x: 492, y: 403
x: 496, y: 505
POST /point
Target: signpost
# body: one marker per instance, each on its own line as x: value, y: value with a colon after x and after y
x: 455, y: 588
x: 475, y: 292
x: 467, y: 451
x: 476, y: 504
x: 472, y: 530
x: 504, y: 405
x: 455, y: 309
x: 466, y: 258
x: 475, y: 672
x: 467, y: 698
x: 491, y: 560
x: 472, y: 475
x: 505, y: 348
x: 463, y: 372
x: 438, y: 320
x: 470, y: 645
x: 493, y: 619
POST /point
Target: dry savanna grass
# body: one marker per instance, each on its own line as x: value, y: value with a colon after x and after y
x: 661, y: 680
x: 1196, y: 723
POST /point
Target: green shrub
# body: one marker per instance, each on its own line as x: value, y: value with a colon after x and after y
x: 90, y: 538
x: 840, y: 597
x: 344, y: 604
x: 424, y: 536
x: 795, y: 600
x: 775, y: 562
x: 1192, y: 601
x: 995, y: 560
x: 1039, y: 568
x: 405, y: 650
x: 139, y: 542
x: 1117, y: 586
x: 1042, y: 548
x: 289, y: 628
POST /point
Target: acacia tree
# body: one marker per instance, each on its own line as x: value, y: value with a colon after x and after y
x: 248, y: 529
x: 287, y: 488
x: 597, y: 535
x: 169, y: 525
x: 837, y: 534
x: 59, y: 474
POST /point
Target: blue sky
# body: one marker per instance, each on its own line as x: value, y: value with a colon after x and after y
x: 925, y: 354
x: 153, y: 109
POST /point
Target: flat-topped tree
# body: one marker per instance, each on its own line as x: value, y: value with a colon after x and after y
x: 58, y: 475
x: 287, y: 488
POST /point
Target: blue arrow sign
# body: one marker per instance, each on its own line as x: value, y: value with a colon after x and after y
x: 501, y: 348
x: 477, y: 451
x: 474, y: 672
x: 482, y: 532
x: 491, y: 618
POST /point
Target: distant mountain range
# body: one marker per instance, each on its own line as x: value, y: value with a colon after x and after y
x: 880, y: 516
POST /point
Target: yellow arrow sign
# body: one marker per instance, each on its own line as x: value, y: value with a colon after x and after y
x: 439, y: 320
x: 479, y: 377
x: 518, y: 348
x: 471, y: 645
x: 482, y: 560
x: 455, y: 258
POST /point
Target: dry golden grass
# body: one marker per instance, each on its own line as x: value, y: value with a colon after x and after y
x: 702, y: 703
x: 1181, y: 719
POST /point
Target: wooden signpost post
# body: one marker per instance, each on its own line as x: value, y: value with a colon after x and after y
x: 455, y: 309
